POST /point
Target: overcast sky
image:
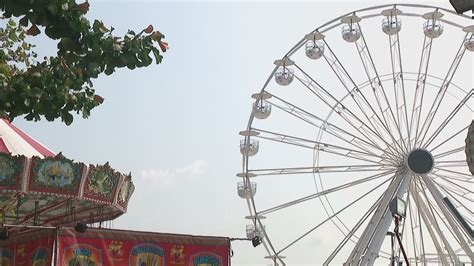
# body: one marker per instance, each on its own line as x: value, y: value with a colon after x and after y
x: 175, y: 125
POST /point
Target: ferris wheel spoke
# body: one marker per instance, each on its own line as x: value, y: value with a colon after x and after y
x: 324, y: 192
x: 439, y: 97
x: 352, y: 232
x: 266, y: 239
x: 320, y: 169
x: 455, y: 178
x: 449, y: 138
x: 447, y: 120
x: 332, y: 216
x: 403, y: 225
x: 320, y: 146
x: 420, y: 89
x: 385, y: 108
x: 369, y: 132
x: 458, y: 174
x: 438, y: 199
x: 357, y: 96
x: 420, y: 217
x: 450, y: 193
x: 269, y: 250
x: 462, y: 188
x: 456, y: 192
x: 399, y: 82
x: 385, y: 156
x: 451, y: 163
x: 450, y: 152
x: 413, y: 225
x: 269, y: 246
x: 453, y: 174
x: 437, y: 212
x: 368, y: 245
x: 350, y: 87
x: 431, y: 223
x: 404, y: 231
x: 462, y: 195
x: 313, y: 120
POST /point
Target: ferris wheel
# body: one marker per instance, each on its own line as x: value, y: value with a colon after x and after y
x: 357, y: 143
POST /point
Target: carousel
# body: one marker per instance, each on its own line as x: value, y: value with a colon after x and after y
x: 55, y: 211
x: 41, y: 188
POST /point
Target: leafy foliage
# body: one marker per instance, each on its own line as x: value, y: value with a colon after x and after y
x: 62, y: 84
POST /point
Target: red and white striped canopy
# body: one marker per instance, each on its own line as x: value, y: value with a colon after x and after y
x: 16, y: 142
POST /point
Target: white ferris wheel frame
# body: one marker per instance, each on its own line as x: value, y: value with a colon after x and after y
x: 368, y: 244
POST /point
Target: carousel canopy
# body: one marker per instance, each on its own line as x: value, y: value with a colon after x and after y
x: 39, y: 187
x: 16, y: 142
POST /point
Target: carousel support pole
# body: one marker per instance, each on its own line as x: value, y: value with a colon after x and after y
x: 36, y: 218
x: 230, y: 252
x: 56, y: 247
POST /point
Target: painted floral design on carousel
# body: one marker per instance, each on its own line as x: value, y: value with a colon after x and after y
x: 9, y: 204
x: 10, y: 171
x: 102, y: 182
x: 126, y: 190
x: 56, y: 173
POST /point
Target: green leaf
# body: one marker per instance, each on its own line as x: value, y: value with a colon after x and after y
x: 67, y: 118
x: 157, y: 55
x: 68, y: 44
x: 11, y: 23
x: 109, y: 70
x: 71, y: 58
x: 24, y: 21
x: 96, y: 26
x: 33, y: 17
x: 12, y: 36
x: 36, y: 92
x: 53, y: 8
x: 7, y: 14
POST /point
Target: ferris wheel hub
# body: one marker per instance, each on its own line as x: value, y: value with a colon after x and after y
x: 420, y: 161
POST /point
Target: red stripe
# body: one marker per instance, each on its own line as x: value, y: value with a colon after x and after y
x: 3, y: 147
x: 38, y: 147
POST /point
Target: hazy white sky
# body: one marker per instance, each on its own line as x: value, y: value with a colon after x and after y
x: 175, y: 126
